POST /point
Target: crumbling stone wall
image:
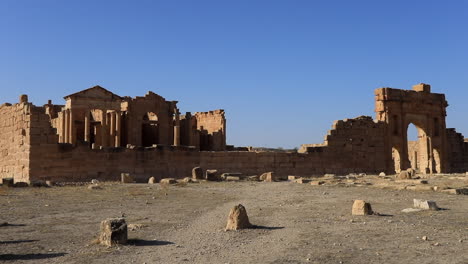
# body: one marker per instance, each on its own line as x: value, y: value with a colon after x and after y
x: 457, y: 150
x: 15, y: 131
x: 353, y: 145
x: 212, y: 127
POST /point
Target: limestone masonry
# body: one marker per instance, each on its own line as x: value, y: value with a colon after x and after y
x: 99, y: 135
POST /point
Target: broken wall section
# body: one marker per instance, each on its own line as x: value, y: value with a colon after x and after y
x: 353, y: 145
x: 457, y: 150
x: 15, y: 128
x: 212, y: 129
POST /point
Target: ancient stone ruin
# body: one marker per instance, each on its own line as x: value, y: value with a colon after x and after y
x: 97, y: 134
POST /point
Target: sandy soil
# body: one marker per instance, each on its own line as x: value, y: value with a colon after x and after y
x: 296, y: 223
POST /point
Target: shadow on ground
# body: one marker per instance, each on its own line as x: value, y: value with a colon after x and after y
x: 142, y: 243
x: 30, y: 256
x: 267, y: 227
x: 17, y: 241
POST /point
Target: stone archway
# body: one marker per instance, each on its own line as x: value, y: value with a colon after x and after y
x: 426, y: 110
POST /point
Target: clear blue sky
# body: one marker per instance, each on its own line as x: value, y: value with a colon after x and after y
x: 282, y: 70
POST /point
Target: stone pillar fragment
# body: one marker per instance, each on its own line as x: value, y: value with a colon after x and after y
x: 360, y: 207
x: 238, y: 218
x: 87, y: 125
x: 67, y: 126
x: 113, y: 231
x: 72, y: 135
x: 104, y: 130
x: 118, y: 125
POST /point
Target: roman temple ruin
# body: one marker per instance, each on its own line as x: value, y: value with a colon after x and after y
x: 97, y: 134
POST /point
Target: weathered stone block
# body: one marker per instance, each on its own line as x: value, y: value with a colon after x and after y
x: 168, y: 181
x: 113, y: 231
x: 424, y: 204
x: 316, y: 183
x: 197, y: 173
x: 151, y: 180
x: 238, y: 218
x: 127, y: 178
x: 211, y: 175
x: 292, y: 178
x: 268, y: 177
x: 404, y: 175
x: 360, y: 207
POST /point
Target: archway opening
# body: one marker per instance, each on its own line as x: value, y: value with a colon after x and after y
x: 413, y: 145
x: 418, y: 155
x: 150, y: 130
x: 396, y: 159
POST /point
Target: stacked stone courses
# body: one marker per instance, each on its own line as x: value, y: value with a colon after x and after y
x: 99, y: 135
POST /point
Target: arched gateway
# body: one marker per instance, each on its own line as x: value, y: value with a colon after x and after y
x: 426, y: 110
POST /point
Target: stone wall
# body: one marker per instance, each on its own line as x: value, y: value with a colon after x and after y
x: 458, y: 151
x: 15, y: 123
x: 353, y: 146
x: 212, y: 127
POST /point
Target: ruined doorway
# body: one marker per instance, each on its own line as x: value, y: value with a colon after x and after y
x: 396, y: 159
x: 150, y: 130
x: 413, y: 145
x: 422, y: 109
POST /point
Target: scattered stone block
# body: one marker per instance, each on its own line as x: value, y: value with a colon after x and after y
x: 253, y: 178
x: 411, y: 172
x: 425, y: 205
x: 292, y: 178
x: 232, y: 174
x: 50, y: 183
x: 197, y: 173
x: 232, y: 178
x: 238, y: 218
x: 463, y: 191
x: 210, y: 175
x: 126, y: 178
x: 360, y: 207
x: 328, y: 175
x: 404, y: 175
x: 94, y: 187
x: 317, y: 183
x: 8, y: 182
x: 94, y: 181
x: 187, y: 180
x: 382, y: 174
x: 152, y: 180
x: 301, y: 180
x: 419, y: 188
x: 21, y: 184
x: 113, y: 231
x: 168, y: 181
x: 268, y: 177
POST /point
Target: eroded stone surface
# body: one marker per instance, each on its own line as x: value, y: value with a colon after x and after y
x: 113, y: 231
x: 238, y: 218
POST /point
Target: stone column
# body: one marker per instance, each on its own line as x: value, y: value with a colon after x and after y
x: 117, y: 129
x: 87, y: 125
x: 62, y: 129
x: 112, y: 120
x: 66, y: 135
x: 177, y: 129
x: 104, y: 130
x: 72, y: 128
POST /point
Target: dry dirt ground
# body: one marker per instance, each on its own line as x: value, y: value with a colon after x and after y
x: 296, y: 223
